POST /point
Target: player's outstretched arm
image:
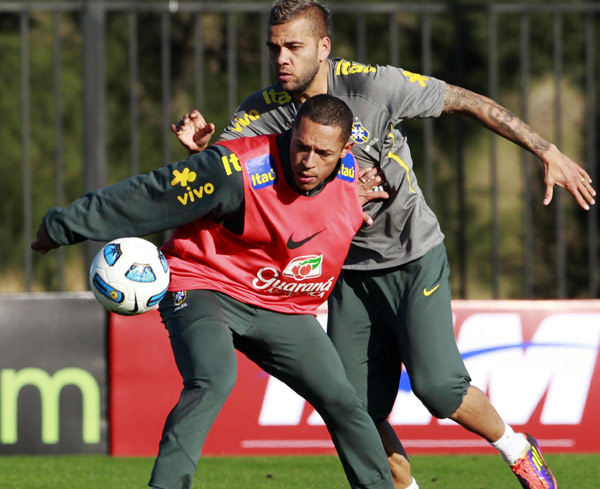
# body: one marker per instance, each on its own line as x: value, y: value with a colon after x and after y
x: 164, y: 198
x: 193, y: 132
x: 559, y: 169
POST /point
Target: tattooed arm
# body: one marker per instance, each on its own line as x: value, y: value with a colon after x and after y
x: 558, y: 168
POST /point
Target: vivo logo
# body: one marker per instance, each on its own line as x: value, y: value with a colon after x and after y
x: 553, y: 366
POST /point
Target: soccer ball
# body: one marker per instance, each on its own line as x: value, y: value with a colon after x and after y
x: 129, y: 276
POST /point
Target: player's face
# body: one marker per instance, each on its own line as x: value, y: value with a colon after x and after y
x: 295, y: 54
x: 314, y: 152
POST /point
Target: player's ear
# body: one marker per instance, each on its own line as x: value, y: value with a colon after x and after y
x: 347, y: 148
x: 324, y: 48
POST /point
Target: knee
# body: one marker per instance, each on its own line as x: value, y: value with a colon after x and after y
x: 443, y: 397
x: 340, y: 400
x: 218, y: 384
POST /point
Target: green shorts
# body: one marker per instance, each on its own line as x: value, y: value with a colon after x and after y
x: 382, y: 319
x: 205, y: 328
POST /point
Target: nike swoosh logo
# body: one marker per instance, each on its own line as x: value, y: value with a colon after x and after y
x: 427, y: 293
x: 292, y: 245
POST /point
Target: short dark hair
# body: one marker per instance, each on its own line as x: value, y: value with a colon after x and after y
x: 284, y: 11
x: 329, y: 111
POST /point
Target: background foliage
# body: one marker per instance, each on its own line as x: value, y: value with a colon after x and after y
x: 459, y: 55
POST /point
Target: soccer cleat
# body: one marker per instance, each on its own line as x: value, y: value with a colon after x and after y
x: 531, y: 469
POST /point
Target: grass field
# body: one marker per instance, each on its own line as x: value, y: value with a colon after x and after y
x: 315, y: 472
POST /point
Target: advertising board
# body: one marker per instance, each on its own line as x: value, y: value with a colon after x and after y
x: 53, y: 374
x: 536, y: 360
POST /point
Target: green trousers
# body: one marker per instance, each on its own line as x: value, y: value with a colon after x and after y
x: 380, y: 320
x: 205, y: 328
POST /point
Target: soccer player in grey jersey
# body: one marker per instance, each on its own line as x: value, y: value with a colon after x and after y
x: 391, y: 305
x: 380, y: 98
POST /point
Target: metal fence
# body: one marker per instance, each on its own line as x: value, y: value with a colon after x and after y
x: 92, y: 87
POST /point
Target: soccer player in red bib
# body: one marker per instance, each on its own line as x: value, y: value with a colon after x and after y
x: 263, y: 226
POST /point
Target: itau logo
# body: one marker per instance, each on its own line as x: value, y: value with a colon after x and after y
x: 304, y: 267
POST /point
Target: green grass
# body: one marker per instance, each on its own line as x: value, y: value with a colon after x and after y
x: 443, y: 472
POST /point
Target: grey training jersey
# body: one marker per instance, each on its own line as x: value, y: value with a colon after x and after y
x: 380, y: 98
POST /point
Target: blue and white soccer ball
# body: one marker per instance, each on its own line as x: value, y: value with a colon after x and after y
x: 129, y: 276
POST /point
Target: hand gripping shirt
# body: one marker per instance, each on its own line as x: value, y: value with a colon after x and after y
x: 292, y: 247
x: 380, y: 98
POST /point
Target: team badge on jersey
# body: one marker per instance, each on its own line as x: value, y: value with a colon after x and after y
x: 179, y: 300
x: 261, y: 171
x: 304, y: 267
x: 346, y: 171
x: 359, y: 133
x: 179, y: 297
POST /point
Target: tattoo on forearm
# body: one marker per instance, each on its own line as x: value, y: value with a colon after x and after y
x: 514, y: 129
x: 538, y: 143
x: 459, y: 100
x: 494, y: 117
x: 503, y: 119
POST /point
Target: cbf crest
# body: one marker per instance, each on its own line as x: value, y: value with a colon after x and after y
x: 359, y: 133
x: 179, y: 297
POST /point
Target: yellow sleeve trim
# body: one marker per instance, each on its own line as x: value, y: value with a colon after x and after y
x: 400, y: 161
